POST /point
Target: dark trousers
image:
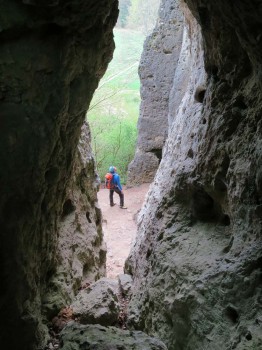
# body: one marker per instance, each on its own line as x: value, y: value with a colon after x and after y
x: 121, y: 196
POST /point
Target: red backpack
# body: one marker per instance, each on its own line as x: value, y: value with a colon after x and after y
x: 109, y: 181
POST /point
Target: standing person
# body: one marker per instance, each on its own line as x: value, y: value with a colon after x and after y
x: 116, y: 188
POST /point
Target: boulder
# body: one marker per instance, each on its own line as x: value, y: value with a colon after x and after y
x: 89, y: 337
x: 97, y: 304
x: 125, y: 284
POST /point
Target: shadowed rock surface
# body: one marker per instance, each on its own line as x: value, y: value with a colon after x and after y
x: 77, y: 337
x: 81, y: 251
x: 52, y: 56
x: 197, y: 259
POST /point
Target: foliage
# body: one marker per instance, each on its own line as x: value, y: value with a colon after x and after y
x: 143, y: 14
x: 114, y: 109
x: 138, y: 14
x: 113, y: 143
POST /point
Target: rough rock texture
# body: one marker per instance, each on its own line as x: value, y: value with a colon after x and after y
x: 125, y: 284
x: 97, y: 304
x: 197, y: 260
x: 76, y: 337
x: 81, y: 252
x: 52, y: 56
x: 156, y: 71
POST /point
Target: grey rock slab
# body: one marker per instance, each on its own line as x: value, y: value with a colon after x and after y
x: 97, y: 304
x: 76, y: 337
x: 125, y: 283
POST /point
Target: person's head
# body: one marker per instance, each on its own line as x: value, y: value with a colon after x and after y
x: 112, y: 169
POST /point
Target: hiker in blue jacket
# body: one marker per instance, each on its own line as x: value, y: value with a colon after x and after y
x: 117, y: 188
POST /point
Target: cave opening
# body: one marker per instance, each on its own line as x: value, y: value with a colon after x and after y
x: 158, y: 153
x: 113, y: 118
x: 187, y: 278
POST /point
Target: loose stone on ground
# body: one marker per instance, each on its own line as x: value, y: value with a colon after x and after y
x: 97, y: 304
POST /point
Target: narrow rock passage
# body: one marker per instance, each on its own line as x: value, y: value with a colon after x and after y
x: 119, y: 226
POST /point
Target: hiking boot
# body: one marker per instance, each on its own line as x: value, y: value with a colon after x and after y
x: 122, y: 207
x: 111, y: 205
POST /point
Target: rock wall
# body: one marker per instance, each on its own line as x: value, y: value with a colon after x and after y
x: 52, y: 56
x: 156, y: 70
x: 197, y: 259
x: 81, y: 251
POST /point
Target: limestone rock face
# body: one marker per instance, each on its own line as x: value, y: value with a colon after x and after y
x: 77, y: 337
x: 156, y: 71
x: 81, y: 251
x: 97, y: 304
x: 52, y: 56
x: 197, y: 259
x: 125, y: 284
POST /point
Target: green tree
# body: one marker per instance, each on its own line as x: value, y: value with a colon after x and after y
x: 113, y: 143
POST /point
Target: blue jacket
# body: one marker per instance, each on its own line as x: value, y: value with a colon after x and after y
x: 116, y: 181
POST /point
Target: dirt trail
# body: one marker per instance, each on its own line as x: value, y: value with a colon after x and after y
x: 119, y: 226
